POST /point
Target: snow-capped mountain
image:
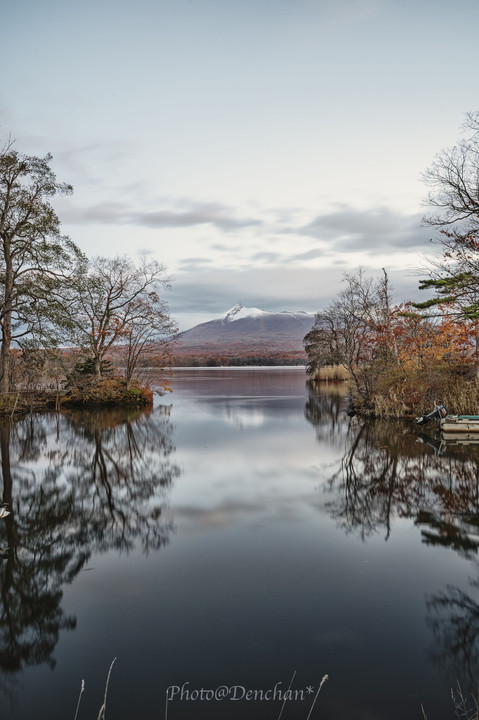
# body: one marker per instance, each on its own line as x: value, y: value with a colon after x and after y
x: 240, y: 312
x: 242, y: 330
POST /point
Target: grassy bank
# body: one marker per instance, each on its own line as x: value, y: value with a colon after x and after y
x: 416, y: 394
x: 396, y: 392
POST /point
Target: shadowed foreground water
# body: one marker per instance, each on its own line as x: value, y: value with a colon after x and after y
x: 242, y: 535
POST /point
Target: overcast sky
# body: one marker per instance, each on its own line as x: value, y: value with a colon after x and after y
x: 259, y: 148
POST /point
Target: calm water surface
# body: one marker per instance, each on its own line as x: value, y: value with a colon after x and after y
x: 242, y: 536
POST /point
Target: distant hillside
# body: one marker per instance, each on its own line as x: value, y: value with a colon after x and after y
x: 246, y: 336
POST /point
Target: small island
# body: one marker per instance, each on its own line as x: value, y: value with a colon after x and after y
x: 75, y: 330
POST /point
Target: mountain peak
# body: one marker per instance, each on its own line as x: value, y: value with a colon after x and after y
x: 234, y: 310
x: 240, y: 312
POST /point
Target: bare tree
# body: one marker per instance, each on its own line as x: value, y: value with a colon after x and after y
x: 116, y: 303
x: 147, y: 336
x: 453, y: 179
x: 343, y: 333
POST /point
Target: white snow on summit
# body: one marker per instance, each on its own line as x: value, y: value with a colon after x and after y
x: 239, y: 312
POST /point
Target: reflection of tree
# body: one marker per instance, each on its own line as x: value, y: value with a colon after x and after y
x: 117, y: 473
x: 454, y: 618
x: 76, y: 485
x: 385, y: 473
x: 367, y: 482
x: 460, y: 533
x: 326, y: 410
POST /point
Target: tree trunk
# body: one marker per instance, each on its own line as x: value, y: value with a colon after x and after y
x: 97, y: 367
x: 7, y: 493
x: 5, y: 463
x: 5, y: 365
x: 7, y: 321
x: 387, y: 309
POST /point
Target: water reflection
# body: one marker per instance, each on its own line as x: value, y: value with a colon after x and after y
x: 385, y: 472
x: 389, y: 470
x: 326, y: 411
x: 453, y: 615
x: 280, y: 555
x: 75, y: 484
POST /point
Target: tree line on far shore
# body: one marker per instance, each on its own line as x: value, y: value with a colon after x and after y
x: 401, y: 359
x: 63, y: 315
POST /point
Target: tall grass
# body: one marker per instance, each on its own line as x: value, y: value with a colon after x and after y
x: 466, y: 708
x: 102, y: 712
x: 331, y: 373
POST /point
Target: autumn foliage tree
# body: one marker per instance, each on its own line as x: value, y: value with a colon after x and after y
x: 436, y: 361
x: 425, y: 342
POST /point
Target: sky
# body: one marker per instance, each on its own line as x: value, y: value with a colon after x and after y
x: 260, y: 149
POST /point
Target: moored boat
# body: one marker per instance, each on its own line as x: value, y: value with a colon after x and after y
x: 460, y: 424
x: 452, y: 426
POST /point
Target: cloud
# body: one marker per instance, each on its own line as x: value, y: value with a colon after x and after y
x: 220, y: 216
x: 222, y: 247
x: 375, y: 229
x: 193, y: 264
x: 308, y: 255
x: 343, y: 229
x: 195, y: 260
x: 268, y: 256
x: 216, y: 216
x: 286, y: 258
x: 108, y: 213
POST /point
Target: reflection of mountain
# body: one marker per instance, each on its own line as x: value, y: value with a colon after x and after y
x: 100, y: 483
x: 244, y: 417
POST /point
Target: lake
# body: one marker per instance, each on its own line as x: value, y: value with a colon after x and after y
x: 230, y: 548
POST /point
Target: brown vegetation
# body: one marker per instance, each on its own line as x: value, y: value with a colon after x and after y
x: 92, y: 392
x: 107, y: 391
x: 400, y: 362
x: 331, y: 373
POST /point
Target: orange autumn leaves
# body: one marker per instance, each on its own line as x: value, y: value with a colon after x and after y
x: 417, y: 342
